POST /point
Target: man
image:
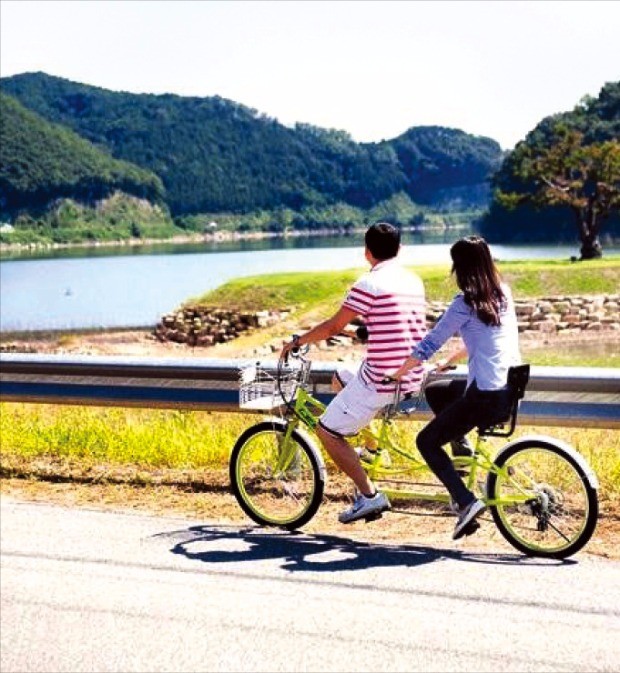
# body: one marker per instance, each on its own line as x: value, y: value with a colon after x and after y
x: 391, y: 302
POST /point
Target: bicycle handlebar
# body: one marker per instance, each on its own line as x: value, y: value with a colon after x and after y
x: 429, y: 370
x: 395, y: 407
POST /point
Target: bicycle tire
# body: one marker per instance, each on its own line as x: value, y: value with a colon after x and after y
x: 561, y: 515
x: 287, y: 498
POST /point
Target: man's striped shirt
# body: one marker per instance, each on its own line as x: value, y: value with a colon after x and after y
x: 391, y: 301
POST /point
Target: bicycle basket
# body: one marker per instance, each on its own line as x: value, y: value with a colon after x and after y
x: 258, y: 389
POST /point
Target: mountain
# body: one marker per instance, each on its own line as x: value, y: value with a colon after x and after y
x: 215, y: 155
x: 41, y: 162
x: 598, y: 119
x: 440, y: 163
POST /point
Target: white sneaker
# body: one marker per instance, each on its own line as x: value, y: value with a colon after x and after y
x: 365, y: 508
x: 467, y: 517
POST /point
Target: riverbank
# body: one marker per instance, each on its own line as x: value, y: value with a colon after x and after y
x: 216, y: 236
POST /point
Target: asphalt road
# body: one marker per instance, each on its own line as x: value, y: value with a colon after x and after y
x: 86, y: 590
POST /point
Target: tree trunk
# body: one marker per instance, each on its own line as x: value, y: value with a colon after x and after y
x: 591, y: 247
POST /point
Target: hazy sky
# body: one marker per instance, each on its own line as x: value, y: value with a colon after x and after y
x: 371, y: 68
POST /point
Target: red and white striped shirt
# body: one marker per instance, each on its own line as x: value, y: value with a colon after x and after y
x: 391, y: 301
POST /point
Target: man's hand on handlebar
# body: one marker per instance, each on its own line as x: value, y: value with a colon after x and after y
x: 291, y: 346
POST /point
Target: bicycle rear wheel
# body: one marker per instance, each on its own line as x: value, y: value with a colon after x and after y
x: 545, y: 497
x: 277, y: 481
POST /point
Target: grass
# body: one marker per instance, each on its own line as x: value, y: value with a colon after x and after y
x: 279, y: 291
x: 145, y: 438
x: 74, y: 440
x: 537, y: 278
x: 308, y: 290
x: 549, y: 355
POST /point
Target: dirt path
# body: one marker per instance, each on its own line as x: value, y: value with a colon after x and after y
x: 142, y: 343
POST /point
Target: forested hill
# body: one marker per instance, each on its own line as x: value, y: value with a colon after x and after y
x: 598, y: 120
x: 40, y: 161
x: 215, y: 155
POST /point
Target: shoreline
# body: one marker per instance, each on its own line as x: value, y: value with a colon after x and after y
x: 215, y: 237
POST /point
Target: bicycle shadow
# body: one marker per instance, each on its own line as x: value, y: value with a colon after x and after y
x: 302, y: 552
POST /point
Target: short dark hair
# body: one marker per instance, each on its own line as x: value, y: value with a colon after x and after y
x: 383, y: 240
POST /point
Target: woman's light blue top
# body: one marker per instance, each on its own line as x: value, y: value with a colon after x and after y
x: 491, y: 350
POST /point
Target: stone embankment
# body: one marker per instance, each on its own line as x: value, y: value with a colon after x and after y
x: 557, y: 314
x: 569, y: 314
x: 205, y: 326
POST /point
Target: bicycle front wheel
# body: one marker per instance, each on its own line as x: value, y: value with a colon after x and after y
x: 543, y: 498
x: 278, y: 481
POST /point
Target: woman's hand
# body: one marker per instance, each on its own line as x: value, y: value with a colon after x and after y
x: 388, y: 379
x: 448, y: 362
x: 442, y: 364
x: 408, y: 364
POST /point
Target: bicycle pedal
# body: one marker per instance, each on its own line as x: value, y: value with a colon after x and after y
x: 373, y: 517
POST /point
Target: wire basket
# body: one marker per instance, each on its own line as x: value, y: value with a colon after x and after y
x: 258, y: 389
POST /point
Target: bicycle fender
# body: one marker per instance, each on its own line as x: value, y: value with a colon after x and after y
x: 306, y: 437
x: 557, y: 443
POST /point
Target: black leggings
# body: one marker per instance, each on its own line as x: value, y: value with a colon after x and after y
x: 457, y: 411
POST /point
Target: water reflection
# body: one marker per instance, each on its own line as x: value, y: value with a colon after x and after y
x: 246, y: 245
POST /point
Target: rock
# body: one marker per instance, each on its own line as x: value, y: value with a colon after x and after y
x: 204, y: 326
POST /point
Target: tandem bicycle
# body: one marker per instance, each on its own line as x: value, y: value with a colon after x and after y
x: 541, y: 493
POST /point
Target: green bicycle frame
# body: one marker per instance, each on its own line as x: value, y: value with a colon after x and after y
x: 307, y: 410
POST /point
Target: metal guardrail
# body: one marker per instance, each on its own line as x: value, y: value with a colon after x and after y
x: 560, y: 396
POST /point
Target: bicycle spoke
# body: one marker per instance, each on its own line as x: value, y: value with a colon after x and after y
x: 559, y: 532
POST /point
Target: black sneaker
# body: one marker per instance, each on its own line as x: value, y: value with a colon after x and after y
x: 467, y: 517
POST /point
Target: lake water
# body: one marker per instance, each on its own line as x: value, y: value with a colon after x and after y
x: 133, y: 287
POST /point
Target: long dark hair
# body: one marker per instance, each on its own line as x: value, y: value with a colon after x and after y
x: 478, y: 278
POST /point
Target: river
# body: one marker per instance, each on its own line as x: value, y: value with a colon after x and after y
x: 133, y: 287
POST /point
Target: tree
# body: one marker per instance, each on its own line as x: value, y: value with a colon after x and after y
x: 566, y: 172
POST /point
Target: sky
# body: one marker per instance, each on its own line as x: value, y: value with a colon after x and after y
x: 371, y: 68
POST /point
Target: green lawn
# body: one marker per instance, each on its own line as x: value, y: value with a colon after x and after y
x: 308, y: 290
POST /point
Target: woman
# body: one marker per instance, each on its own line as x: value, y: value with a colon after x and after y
x: 483, y: 314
